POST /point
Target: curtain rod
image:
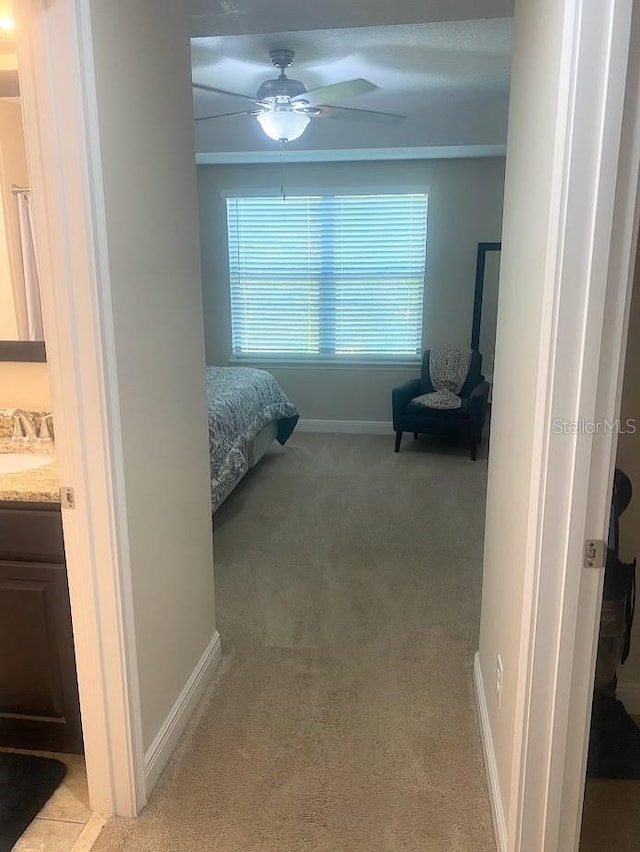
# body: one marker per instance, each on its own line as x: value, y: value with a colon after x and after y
x: 16, y: 190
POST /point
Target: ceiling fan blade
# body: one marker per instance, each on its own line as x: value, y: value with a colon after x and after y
x: 361, y: 115
x: 227, y: 114
x: 335, y: 91
x: 204, y: 88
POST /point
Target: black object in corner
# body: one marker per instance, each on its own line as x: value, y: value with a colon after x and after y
x: 26, y: 783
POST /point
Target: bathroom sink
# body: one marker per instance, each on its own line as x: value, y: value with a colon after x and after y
x: 17, y: 462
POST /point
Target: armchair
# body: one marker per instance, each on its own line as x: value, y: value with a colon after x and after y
x: 467, y: 420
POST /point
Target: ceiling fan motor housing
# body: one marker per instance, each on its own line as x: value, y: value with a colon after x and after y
x: 281, y: 89
x: 282, y: 58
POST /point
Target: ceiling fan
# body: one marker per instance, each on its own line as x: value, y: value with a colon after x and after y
x: 284, y: 107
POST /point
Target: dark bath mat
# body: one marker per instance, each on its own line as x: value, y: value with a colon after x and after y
x: 26, y: 783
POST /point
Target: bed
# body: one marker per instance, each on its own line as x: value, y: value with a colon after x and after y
x: 248, y: 410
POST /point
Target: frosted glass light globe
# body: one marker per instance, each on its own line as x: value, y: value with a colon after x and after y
x: 283, y: 125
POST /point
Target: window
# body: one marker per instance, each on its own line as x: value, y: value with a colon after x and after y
x: 327, y: 277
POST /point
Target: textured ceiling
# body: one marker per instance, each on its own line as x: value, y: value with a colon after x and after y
x: 240, y: 17
x: 398, y: 58
x: 449, y: 78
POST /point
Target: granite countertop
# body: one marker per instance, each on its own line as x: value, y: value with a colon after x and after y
x: 39, y: 485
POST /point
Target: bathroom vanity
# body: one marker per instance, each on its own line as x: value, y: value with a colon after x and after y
x: 39, y: 706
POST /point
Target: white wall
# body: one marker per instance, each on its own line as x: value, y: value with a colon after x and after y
x: 13, y: 170
x: 8, y: 319
x: 525, y: 248
x: 143, y: 92
x: 465, y: 207
x: 24, y: 385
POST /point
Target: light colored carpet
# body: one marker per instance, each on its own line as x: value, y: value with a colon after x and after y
x: 343, y: 717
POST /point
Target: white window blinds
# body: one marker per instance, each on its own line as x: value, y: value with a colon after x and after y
x: 327, y: 276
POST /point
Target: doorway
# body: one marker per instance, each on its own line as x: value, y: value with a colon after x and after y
x: 123, y: 725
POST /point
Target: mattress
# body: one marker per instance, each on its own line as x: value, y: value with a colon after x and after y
x: 242, y: 401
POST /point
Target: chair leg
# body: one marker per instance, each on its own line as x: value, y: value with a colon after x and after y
x: 398, y: 439
x: 415, y: 436
x: 472, y: 447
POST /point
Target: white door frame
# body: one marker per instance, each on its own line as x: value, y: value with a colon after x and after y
x: 58, y: 91
x: 58, y: 98
x: 591, y: 265
x: 620, y: 284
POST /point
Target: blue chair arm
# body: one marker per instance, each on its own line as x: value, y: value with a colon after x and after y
x: 478, y: 407
x: 402, y: 396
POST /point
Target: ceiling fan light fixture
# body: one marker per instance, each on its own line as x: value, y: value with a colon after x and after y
x: 7, y: 26
x: 283, y: 125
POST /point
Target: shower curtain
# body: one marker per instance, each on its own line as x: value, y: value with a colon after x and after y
x: 31, y: 282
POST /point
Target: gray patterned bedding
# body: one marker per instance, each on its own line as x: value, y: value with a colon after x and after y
x: 242, y: 401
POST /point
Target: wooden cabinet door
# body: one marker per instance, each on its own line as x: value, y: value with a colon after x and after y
x: 38, y: 686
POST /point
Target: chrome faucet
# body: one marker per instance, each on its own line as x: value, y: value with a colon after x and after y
x: 23, y: 426
x: 45, y: 430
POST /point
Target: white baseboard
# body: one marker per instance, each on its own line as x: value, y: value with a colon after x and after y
x: 495, y: 796
x: 629, y: 694
x: 347, y: 427
x: 162, y: 747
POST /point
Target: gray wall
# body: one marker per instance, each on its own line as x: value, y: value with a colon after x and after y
x: 146, y: 141
x: 465, y: 207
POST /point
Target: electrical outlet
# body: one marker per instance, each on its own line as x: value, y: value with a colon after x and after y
x: 499, y: 679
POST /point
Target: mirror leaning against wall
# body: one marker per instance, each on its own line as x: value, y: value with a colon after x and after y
x: 21, y: 331
x: 485, y: 307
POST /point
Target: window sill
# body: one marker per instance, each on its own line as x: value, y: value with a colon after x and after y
x: 326, y: 364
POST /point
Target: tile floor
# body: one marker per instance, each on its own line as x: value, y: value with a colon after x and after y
x: 66, y: 822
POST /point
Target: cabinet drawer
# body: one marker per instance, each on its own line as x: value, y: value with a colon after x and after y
x: 28, y: 535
